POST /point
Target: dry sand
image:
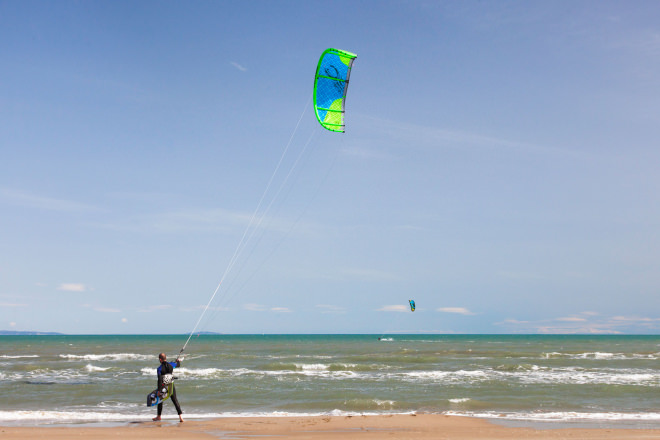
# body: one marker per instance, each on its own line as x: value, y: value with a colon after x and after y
x: 396, y: 427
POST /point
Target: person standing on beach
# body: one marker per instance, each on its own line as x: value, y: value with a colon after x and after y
x: 165, y: 377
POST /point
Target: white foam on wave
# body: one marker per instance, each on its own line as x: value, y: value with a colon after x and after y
x: 561, y: 416
x: 599, y: 355
x: 108, y: 357
x: 46, y: 376
x: 528, y: 374
x: 534, y: 375
x: 312, y: 367
x: 66, y: 417
x: 92, y: 368
x: 311, y: 370
x: 21, y: 356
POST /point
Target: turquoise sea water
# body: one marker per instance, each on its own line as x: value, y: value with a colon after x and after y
x: 604, y: 380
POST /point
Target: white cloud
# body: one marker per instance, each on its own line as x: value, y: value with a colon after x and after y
x: 255, y: 307
x: 194, y: 309
x: 262, y: 308
x: 105, y: 310
x: 571, y: 319
x: 12, y: 305
x: 72, y: 287
x: 394, y: 308
x: 512, y: 321
x: 326, y: 308
x: 12, y: 324
x: 458, y: 310
x: 124, y: 320
x: 155, y: 308
x: 421, y: 135
x: 238, y: 66
x: 46, y: 203
x: 584, y: 323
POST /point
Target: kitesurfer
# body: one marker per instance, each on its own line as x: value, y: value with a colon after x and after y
x: 165, y: 377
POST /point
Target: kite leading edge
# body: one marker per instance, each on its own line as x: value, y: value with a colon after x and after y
x: 330, y: 86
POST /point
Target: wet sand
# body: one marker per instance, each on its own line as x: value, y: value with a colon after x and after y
x: 396, y: 427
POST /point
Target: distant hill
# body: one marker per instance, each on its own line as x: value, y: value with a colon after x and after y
x: 15, y: 333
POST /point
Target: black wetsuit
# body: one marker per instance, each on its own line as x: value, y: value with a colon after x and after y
x: 168, y: 368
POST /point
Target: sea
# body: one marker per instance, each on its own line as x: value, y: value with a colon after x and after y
x: 601, y: 381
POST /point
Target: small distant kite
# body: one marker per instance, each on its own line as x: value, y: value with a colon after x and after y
x: 330, y: 87
x: 412, y: 305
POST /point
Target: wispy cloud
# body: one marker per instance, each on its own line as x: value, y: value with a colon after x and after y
x: 72, y: 287
x: 394, y: 308
x: 584, y: 323
x: 155, y: 308
x: 4, y: 304
x: 101, y: 309
x: 196, y: 220
x: 26, y: 199
x: 263, y: 308
x: 238, y: 66
x: 202, y: 307
x: 572, y: 319
x: 106, y: 310
x: 458, y: 310
x: 430, y: 136
x: 365, y: 153
x: 327, y: 308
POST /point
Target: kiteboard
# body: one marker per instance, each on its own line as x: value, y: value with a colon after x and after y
x: 158, y: 396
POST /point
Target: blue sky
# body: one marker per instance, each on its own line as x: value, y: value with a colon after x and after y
x: 499, y: 167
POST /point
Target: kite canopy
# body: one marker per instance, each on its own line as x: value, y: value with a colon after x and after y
x: 330, y: 86
x: 412, y: 305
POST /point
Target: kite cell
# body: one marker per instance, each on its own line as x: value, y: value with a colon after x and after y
x: 412, y: 305
x: 330, y: 86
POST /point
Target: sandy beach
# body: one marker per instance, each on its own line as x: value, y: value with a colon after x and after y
x: 425, y: 426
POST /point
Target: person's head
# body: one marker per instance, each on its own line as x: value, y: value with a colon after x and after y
x: 162, y: 357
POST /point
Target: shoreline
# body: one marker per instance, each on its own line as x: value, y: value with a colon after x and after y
x: 412, y: 426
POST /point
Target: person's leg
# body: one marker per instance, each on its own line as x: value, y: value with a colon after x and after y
x: 175, y: 401
x: 160, y: 411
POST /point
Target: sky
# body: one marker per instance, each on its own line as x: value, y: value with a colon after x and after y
x: 499, y: 167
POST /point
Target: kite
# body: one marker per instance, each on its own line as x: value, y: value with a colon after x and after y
x: 412, y: 305
x: 330, y: 86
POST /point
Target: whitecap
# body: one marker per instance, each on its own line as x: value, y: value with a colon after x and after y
x: 108, y: 357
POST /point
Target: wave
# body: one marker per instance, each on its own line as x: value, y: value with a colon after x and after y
x: 108, y: 357
x: 373, y: 407
x: 597, y: 355
x: 77, y: 417
x: 20, y: 356
x: 524, y: 374
x: 282, y: 366
x: 92, y: 368
x: 68, y: 376
x: 561, y: 416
